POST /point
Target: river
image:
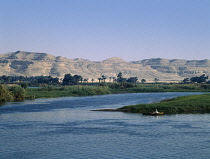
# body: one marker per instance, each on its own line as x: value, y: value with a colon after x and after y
x: 65, y: 128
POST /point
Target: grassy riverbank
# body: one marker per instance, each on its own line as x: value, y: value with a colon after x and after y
x: 50, y: 92
x: 164, y: 87
x: 184, y: 104
x: 113, y: 88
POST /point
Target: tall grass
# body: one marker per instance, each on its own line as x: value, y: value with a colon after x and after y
x: 86, y: 90
x: 49, y: 92
x: 164, y: 87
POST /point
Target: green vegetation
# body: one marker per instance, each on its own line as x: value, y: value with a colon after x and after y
x: 11, y: 93
x: 160, y: 87
x: 185, y: 104
x: 201, y: 79
x: 5, y: 94
x: 79, y: 90
x: 48, y: 91
x: 75, y: 85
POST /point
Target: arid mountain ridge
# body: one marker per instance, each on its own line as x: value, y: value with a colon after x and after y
x: 22, y: 63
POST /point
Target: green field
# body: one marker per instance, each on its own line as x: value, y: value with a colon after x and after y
x: 185, y: 104
x: 164, y: 87
x: 50, y: 92
x: 113, y: 88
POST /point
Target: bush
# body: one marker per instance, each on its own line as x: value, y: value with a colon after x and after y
x: 5, y: 94
x: 17, y: 92
x: 184, y: 104
x: 24, y: 85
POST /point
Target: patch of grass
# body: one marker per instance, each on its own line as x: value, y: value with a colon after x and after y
x: 164, y: 87
x: 50, y: 92
x: 87, y: 90
x: 184, y: 104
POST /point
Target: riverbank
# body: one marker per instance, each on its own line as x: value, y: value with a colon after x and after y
x: 178, y: 105
x: 88, y: 90
x: 65, y: 91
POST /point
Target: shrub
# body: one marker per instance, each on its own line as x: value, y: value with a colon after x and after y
x: 17, y: 92
x: 5, y: 94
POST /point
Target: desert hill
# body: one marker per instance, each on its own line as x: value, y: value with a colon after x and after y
x: 22, y: 63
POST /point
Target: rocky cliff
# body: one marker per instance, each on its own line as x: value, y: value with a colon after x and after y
x: 22, y: 63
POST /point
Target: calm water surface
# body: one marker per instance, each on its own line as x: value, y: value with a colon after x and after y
x: 64, y: 128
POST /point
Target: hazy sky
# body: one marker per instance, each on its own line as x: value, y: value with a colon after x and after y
x: 100, y: 29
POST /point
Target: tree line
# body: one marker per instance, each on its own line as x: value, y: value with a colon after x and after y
x: 201, y: 79
x: 68, y: 79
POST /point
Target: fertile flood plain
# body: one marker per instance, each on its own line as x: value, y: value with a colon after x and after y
x: 87, y: 90
x: 178, y: 105
x: 186, y: 104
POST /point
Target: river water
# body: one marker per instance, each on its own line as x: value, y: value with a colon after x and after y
x: 65, y: 128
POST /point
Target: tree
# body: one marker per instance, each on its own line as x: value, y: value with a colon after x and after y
x: 69, y: 80
x: 156, y: 80
x: 81, y: 80
x: 114, y: 79
x: 18, y: 92
x: 5, y: 94
x: 132, y: 80
x: 201, y: 79
x: 6, y: 79
x: 92, y: 80
x: 103, y: 78
x: 186, y: 80
x: 24, y: 85
x: 120, y: 78
x: 119, y: 75
x: 99, y: 80
x: 77, y: 78
x: 86, y: 80
x: 110, y: 79
x: 143, y: 81
x: 55, y: 80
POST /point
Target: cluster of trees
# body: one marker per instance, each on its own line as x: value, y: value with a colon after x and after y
x: 67, y: 80
x: 37, y: 80
x: 201, y: 79
x: 34, y: 80
x: 120, y: 79
x: 11, y: 93
x: 72, y: 80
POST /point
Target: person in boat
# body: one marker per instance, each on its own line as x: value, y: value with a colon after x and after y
x: 156, y: 112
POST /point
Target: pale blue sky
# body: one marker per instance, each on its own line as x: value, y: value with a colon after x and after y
x: 100, y: 29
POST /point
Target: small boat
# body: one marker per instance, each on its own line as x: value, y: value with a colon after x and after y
x: 154, y: 113
x: 157, y: 113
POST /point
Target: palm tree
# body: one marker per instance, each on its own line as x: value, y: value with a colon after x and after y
x: 110, y: 78
x: 156, y: 80
x: 77, y: 78
x: 99, y: 79
x: 103, y: 78
x: 81, y: 80
x: 143, y: 81
x: 114, y: 79
x: 86, y: 80
x: 92, y: 80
